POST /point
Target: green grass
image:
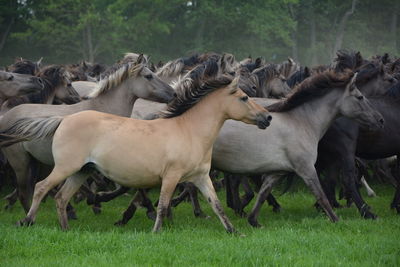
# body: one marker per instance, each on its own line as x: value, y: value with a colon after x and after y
x: 298, y: 236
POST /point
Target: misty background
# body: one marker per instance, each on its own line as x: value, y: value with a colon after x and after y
x: 309, y: 31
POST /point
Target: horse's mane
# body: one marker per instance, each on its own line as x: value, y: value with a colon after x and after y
x: 394, y: 91
x: 298, y: 76
x: 52, y: 77
x: 367, y: 72
x: 348, y: 60
x: 266, y: 73
x: 251, y: 66
x: 24, y: 66
x: 312, y: 88
x: 195, y: 86
x: 117, y: 77
x: 178, y: 66
x: 188, y: 98
x: 288, y: 67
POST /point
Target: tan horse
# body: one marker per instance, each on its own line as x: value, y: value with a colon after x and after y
x: 143, y: 154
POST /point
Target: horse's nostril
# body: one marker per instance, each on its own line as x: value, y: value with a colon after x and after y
x: 382, y: 121
x: 175, y: 95
x: 269, y: 118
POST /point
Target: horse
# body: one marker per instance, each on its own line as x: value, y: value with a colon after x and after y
x: 290, y: 144
x: 336, y: 149
x: 23, y: 66
x: 174, y: 149
x: 372, y: 145
x: 14, y: 84
x: 270, y: 82
x: 115, y: 94
x: 57, y: 86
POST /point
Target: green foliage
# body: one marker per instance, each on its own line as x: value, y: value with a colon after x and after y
x: 66, y: 31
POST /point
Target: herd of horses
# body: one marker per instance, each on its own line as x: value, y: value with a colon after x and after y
x: 95, y: 131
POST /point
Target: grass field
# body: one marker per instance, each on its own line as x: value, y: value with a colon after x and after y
x: 298, y: 236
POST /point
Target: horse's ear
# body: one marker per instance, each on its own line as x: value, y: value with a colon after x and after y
x: 235, y: 83
x: 291, y: 61
x: 385, y: 59
x: 140, y: 59
x: 307, y: 72
x: 39, y: 62
x: 352, y: 83
x: 359, y: 57
x: 258, y: 62
x: 84, y: 65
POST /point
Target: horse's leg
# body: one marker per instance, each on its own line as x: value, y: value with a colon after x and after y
x: 71, y: 185
x: 181, y: 197
x: 349, y: 177
x: 168, y: 186
x: 274, y: 203
x: 41, y: 189
x: 129, y: 212
x: 396, y: 199
x: 195, y: 201
x: 11, y: 199
x: 228, y: 188
x: 370, y: 192
x: 204, y: 184
x: 20, y: 162
x: 248, y: 194
x: 142, y: 198
x: 310, y: 177
x: 265, y: 189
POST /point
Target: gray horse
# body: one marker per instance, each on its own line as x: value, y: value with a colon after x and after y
x: 290, y: 144
x: 14, y: 84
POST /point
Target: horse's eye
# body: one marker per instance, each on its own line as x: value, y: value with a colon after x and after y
x: 360, y: 97
x: 10, y: 78
x: 148, y: 76
x: 232, y: 73
x: 244, y: 98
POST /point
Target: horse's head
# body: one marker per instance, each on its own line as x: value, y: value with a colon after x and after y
x: 372, y: 79
x: 147, y: 85
x: 270, y: 82
x: 58, y: 80
x: 356, y: 106
x: 240, y: 107
x: 14, y: 84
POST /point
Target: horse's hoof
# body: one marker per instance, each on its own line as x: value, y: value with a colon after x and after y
x: 152, y: 215
x: 25, y: 222
x: 202, y: 215
x: 71, y: 215
x: 96, y: 210
x: 119, y: 223
x: 253, y: 222
x: 277, y: 209
x: 174, y: 203
x: 369, y: 215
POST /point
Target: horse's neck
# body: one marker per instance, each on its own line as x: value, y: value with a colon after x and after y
x: 118, y: 101
x: 204, y: 121
x: 318, y: 114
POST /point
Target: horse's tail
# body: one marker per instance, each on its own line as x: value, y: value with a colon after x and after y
x: 27, y: 129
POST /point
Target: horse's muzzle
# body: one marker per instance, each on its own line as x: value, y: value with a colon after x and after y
x: 263, y: 120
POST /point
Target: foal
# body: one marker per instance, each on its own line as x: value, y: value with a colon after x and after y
x: 172, y: 149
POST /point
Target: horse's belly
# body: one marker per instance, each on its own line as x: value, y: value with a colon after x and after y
x: 131, y: 176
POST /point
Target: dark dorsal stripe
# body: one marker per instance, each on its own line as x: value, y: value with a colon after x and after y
x: 312, y: 88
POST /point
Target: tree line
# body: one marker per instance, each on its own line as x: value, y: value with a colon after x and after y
x: 310, y: 31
